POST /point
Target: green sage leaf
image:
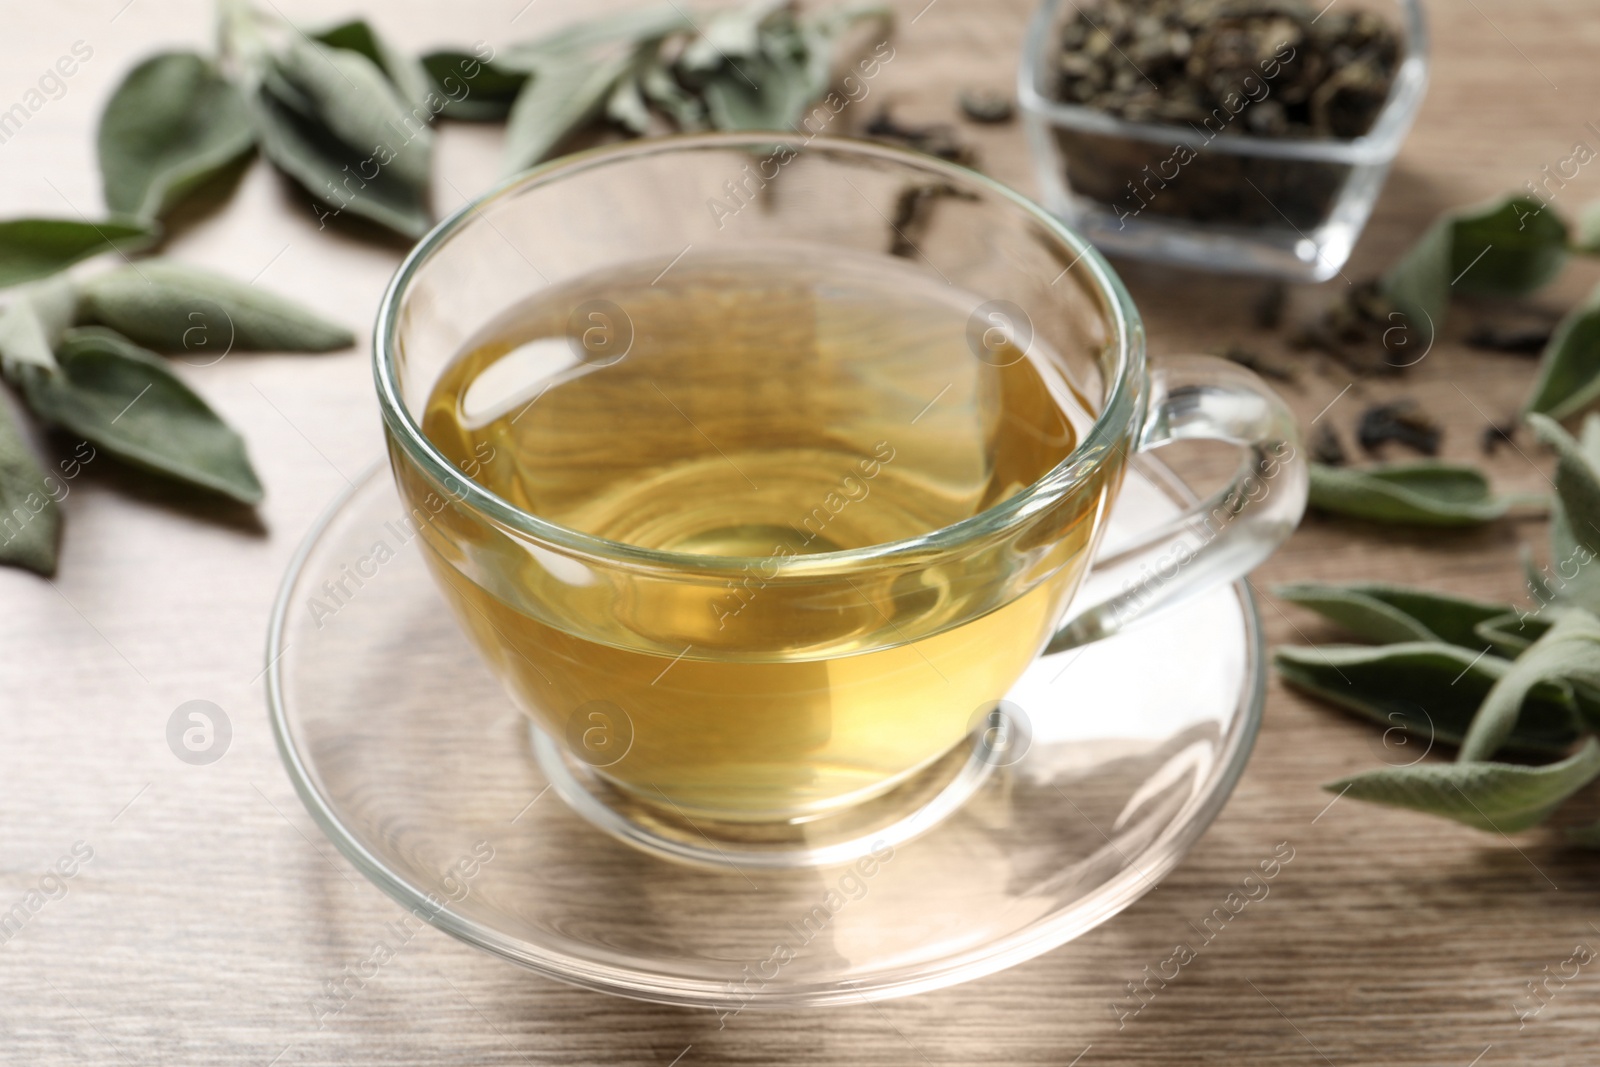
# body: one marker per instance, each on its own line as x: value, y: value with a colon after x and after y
x: 473, y: 90
x: 1429, y: 493
x: 30, y: 520
x: 171, y: 307
x: 1569, y: 369
x: 1509, y: 247
x: 1587, y: 235
x: 32, y: 323
x: 1428, y: 689
x: 1509, y: 635
x: 1386, y: 613
x: 125, y: 400
x: 1490, y: 796
x: 1569, y: 652
x: 404, y: 71
x: 37, y: 248
x: 565, y: 95
x: 661, y: 88
x: 630, y: 27
x: 329, y: 119
x: 626, y: 105
x: 172, y: 125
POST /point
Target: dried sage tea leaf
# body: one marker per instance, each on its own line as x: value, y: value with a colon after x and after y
x: 1429, y: 690
x: 1504, y: 797
x: 1426, y: 493
x: 37, y: 248
x: 1402, y: 422
x: 172, y: 307
x: 1380, y: 612
x: 32, y: 526
x: 1568, y: 652
x: 173, y: 124
x: 124, y: 399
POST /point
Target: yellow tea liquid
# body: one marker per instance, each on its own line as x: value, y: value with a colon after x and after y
x: 764, y: 407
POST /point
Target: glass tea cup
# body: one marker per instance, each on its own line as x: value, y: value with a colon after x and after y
x: 775, y: 692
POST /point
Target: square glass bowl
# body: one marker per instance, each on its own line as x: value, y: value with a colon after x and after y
x: 1289, y: 208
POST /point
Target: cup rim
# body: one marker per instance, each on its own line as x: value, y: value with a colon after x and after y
x: 1122, y: 406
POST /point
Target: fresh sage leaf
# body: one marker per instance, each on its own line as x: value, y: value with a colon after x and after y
x: 1587, y: 237
x: 626, y: 105
x: 30, y: 520
x: 1577, y: 480
x: 630, y: 27
x: 172, y: 125
x: 730, y: 35
x: 1506, y: 248
x: 1490, y: 796
x: 661, y: 88
x: 171, y: 307
x: 31, y: 249
x: 33, y: 321
x: 1429, y: 493
x: 124, y: 399
x: 472, y: 90
x: 1569, y: 652
x: 1509, y: 635
x: 1569, y: 369
x: 1428, y: 689
x: 757, y: 94
x: 1387, y: 613
x: 563, y: 96
x: 329, y: 119
x: 405, y: 72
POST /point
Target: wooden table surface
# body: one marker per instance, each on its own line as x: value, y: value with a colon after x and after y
x: 212, y: 908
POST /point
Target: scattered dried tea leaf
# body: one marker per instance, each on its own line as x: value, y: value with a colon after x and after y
x: 987, y: 106
x: 1400, y: 421
x: 1267, y: 308
x: 936, y: 139
x: 1255, y: 361
x: 1326, y: 448
x: 1523, y: 336
x: 1494, y: 435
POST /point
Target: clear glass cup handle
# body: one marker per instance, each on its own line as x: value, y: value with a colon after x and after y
x: 1218, y: 540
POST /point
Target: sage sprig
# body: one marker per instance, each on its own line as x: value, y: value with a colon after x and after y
x: 32, y: 525
x: 1486, y: 677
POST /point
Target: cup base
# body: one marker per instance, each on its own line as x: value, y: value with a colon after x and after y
x: 898, y: 815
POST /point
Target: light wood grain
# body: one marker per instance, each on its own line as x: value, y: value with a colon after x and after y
x: 213, y: 909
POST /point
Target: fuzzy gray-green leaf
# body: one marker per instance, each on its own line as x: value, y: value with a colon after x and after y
x: 171, y: 307
x: 1429, y: 689
x: 1380, y: 612
x: 404, y: 71
x: 31, y: 249
x: 472, y: 89
x: 1508, y: 247
x: 1569, y: 652
x: 125, y: 400
x: 1429, y: 493
x: 172, y: 125
x: 1569, y: 369
x: 329, y: 119
x: 33, y: 321
x: 1490, y: 796
x: 30, y: 520
x: 1509, y: 635
x: 629, y: 27
x: 565, y: 94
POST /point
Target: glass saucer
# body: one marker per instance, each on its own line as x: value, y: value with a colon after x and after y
x: 419, y: 768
